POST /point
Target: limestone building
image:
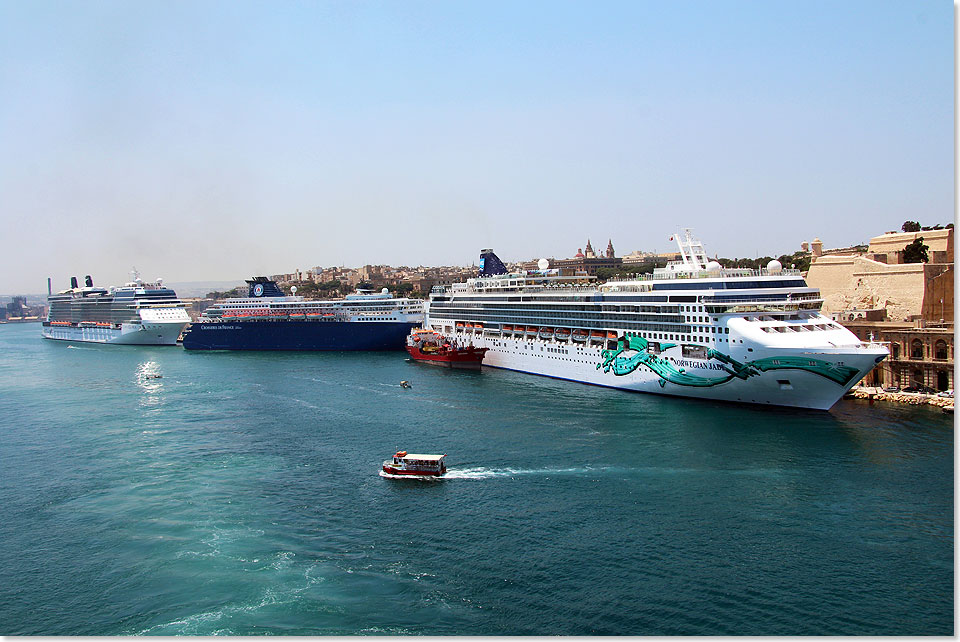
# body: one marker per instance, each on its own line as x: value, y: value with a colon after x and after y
x: 878, y: 277
x: 909, y: 306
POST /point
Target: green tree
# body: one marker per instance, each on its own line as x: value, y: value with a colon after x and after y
x: 240, y: 290
x: 911, y: 226
x: 916, y: 252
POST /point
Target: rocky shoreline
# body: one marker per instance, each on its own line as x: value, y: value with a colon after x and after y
x: 912, y: 398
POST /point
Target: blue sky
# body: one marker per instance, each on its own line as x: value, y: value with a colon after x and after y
x: 217, y: 140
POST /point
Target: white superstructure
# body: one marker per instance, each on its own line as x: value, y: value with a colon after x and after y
x: 136, y: 313
x: 266, y: 301
x: 690, y: 329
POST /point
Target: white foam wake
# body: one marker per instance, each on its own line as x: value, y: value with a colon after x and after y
x: 486, y: 473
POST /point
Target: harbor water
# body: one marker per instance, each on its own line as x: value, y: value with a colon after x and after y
x: 149, y: 490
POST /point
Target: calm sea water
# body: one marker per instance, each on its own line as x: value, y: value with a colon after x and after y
x: 239, y: 494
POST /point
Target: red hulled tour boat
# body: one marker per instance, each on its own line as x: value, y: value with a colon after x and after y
x: 434, y: 348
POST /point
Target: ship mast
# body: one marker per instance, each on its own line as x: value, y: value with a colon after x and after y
x: 693, y: 256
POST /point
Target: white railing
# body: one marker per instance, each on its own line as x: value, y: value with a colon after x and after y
x: 704, y: 274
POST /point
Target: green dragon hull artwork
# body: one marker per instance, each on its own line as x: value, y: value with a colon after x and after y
x: 621, y: 363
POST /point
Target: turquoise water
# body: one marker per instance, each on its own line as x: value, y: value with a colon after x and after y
x: 239, y: 494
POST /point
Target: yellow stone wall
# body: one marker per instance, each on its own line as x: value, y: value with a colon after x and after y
x: 938, y: 241
x: 858, y: 282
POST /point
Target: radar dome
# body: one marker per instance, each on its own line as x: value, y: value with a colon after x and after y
x: 774, y: 266
x: 293, y: 289
x: 543, y: 264
x: 713, y: 266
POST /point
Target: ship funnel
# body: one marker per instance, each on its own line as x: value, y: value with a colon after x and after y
x: 88, y: 280
x: 73, y: 282
x: 491, y: 264
x: 49, y: 286
x: 262, y: 286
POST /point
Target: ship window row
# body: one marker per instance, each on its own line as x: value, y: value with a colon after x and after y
x: 773, y: 329
x: 729, y: 285
x: 734, y: 298
x: 625, y: 314
x: 648, y: 327
x: 93, y: 313
x: 561, y: 318
x: 657, y: 309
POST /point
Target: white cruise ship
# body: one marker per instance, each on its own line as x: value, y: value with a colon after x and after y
x: 691, y: 329
x: 137, y: 313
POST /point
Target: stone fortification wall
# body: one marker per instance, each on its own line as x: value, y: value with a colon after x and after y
x: 939, y: 287
x: 858, y: 282
x: 939, y: 242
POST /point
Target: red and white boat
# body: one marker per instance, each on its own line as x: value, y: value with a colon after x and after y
x: 411, y: 464
x: 434, y: 348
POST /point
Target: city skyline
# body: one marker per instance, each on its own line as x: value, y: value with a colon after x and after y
x: 207, y: 142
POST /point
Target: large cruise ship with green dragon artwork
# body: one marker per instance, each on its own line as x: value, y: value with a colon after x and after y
x: 692, y: 329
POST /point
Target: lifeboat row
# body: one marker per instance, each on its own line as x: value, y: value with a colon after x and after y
x: 278, y: 314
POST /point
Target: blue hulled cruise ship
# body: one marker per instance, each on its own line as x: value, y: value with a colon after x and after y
x: 267, y: 319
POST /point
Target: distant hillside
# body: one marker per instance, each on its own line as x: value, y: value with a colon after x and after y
x: 192, y: 289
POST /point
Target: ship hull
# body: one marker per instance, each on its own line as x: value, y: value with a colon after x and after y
x: 704, y: 379
x: 297, y: 335
x: 156, y: 334
x: 390, y: 470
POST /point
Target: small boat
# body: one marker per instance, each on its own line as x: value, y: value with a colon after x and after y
x: 434, y: 348
x: 546, y: 333
x: 563, y: 333
x: 579, y: 335
x: 404, y: 463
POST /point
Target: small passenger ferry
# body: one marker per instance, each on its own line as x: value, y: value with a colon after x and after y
x: 404, y: 463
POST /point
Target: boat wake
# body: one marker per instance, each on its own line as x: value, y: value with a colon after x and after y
x: 487, y: 473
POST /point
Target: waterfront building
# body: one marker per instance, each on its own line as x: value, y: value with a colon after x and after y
x: 920, y: 354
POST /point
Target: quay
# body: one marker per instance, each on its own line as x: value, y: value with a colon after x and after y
x: 913, y: 398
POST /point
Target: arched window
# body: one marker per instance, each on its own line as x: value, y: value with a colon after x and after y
x: 940, y: 350
x: 916, y: 349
